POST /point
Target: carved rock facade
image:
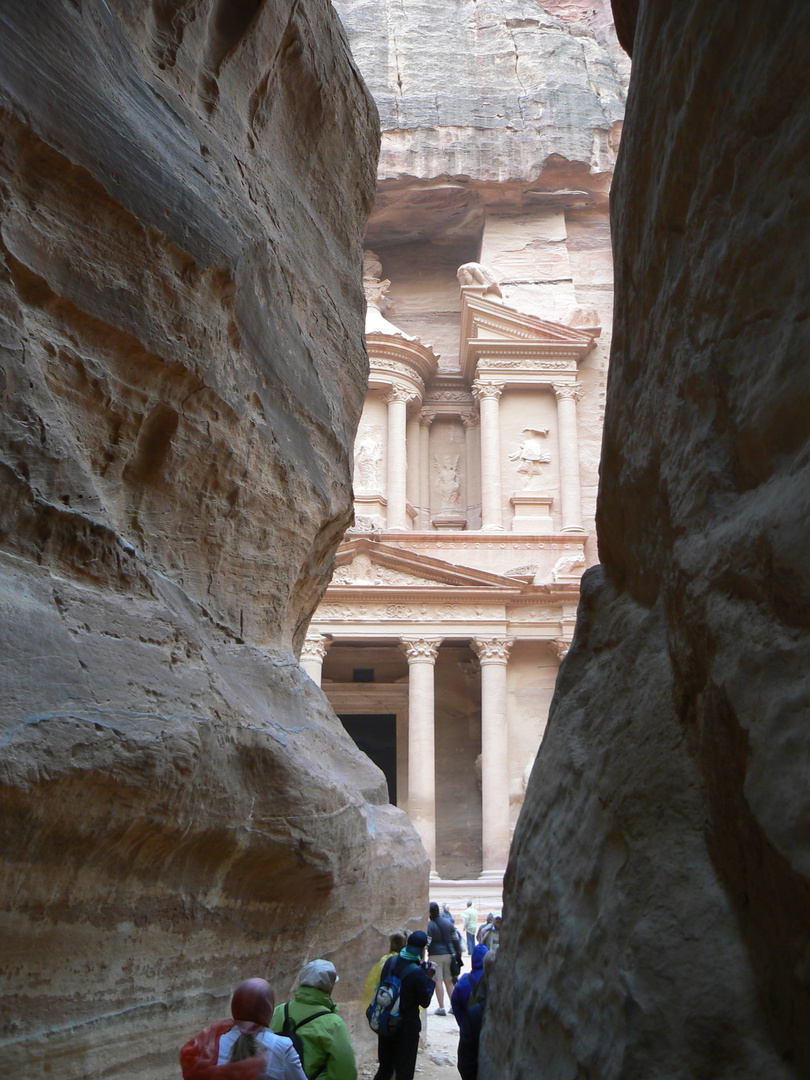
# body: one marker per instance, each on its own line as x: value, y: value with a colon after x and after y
x: 489, y: 284
x: 658, y: 894
x: 183, y: 189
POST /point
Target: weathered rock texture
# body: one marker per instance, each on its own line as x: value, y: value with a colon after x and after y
x: 478, y: 100
x: 183, y: 188
x: 658, y: 905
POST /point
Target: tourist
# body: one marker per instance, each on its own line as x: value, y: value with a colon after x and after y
x: 467, y: 983
x: 484, y: 929
x: 442, y: 938
x: 313, y: 1017
x: 397, y: 1051
x: 473, y: 1018
x: 245, y: 1038
x: 470, y: 917
x: 493, y: 935
x: 396, y: 943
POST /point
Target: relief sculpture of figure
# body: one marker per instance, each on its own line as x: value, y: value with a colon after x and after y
x: 480, y: 276
x: 367, y: 458
x: 532, y: 455
x: 448, y: 484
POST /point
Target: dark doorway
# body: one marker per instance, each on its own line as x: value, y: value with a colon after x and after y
x: 376, y: 736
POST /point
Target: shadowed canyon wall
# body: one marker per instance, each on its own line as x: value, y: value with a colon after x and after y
x: 658, y: 893
x: 183, y: 192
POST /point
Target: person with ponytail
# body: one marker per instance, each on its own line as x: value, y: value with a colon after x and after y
x: 242, y: 1048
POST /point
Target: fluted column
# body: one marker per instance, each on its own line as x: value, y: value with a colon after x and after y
x: 421, y: 654
x: 491, y: 503
x: 425, y: 420
x: 493, y: 654
x: 470, y: 422
x: 397, y: 401
x: 313, y: 652
x: 570, y: 495
x: 414, y: 458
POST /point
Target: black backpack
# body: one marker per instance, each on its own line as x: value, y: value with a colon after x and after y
x: 289, y: 1029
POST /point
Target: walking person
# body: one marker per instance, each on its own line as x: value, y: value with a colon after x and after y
x: 472, y: 1021
x: 244, y: 1042
x: 313, y: 1017
x: 467, y: 983
x: 442, y: 949
x: 397, y: 1050
x: 470, y: 917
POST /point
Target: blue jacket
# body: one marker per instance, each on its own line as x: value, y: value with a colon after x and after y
x: 465, y: 985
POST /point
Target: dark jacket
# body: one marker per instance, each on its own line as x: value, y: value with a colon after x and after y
x: 441, y: 933
x: 416, y: 989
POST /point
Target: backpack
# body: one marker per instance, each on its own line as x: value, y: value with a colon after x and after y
x: 383, y: 1011
x: 289, y: 1029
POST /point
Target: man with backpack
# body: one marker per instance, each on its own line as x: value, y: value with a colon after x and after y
x: 311, y: 1020
x: 406, y: 983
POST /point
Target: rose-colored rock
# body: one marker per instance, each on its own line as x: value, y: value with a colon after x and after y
x: 658, y: 898
x: 183, y: 189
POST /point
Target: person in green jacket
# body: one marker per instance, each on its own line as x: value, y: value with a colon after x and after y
x: 326, y: 1048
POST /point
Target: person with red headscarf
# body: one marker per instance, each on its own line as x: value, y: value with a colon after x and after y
x: 243, y: 1048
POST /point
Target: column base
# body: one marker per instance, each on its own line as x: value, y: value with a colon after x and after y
x: 493, y: 876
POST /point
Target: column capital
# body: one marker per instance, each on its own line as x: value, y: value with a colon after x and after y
x: 567, y: 391
x: 470, y: 420
x: 560, y: 647
x: 483, y: 390
x: 314, y: 647
x: 398, y: 393
x: 421, y: 650
x: 426, y: 417
x: 492, y: 650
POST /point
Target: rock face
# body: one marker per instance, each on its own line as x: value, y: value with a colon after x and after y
x: 481, y: 100
x: 658, y: 899
x: 183, y: 189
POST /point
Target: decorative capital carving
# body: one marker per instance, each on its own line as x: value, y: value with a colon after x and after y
x: 398, y: 393
x: 567, y: 391
x: 492, y: 650
x: 375, y: 289
x: 486, y: 390
x: 423, y: 649
x: 560, y: 647
x: 314, y: 648
x: 469, y: 420
x: 426, y: 417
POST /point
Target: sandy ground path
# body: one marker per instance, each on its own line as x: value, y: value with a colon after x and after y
x: 438, y: 1060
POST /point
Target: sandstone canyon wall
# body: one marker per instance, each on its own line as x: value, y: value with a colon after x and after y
x: 183, y: 191
x: 658, y: 893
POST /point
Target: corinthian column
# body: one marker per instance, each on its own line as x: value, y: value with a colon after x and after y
x: 493, y: 654
x: 414, y: 459
x: 313, y: 652
x: 421, y: 653
x: 397, y: 401
x: 425, y: 420
x: 570, y: 497
x: 491, y: 507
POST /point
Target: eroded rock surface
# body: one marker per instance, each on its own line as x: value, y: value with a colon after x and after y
x: 658, y: 898
x: 183, y: 189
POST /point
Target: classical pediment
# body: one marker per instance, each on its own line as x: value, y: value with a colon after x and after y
x: 365, y: 564
x: 491, y: 329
